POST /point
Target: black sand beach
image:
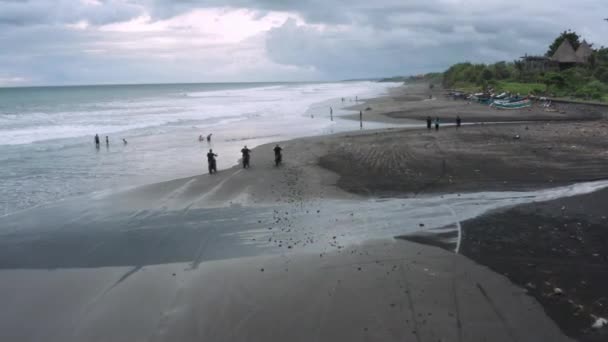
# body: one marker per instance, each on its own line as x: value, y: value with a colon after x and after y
x: 557, y: 250
x: 300, y: 252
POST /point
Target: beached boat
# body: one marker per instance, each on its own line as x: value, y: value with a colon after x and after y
x: 512, y: 105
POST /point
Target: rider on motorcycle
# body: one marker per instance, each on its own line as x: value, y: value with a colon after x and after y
x: 278, y: 158
x: 211, y: 161
x: 245, y: 151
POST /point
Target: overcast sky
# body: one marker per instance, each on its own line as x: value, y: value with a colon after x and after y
x: 49, y: 42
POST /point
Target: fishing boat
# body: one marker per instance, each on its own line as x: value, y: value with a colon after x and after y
x: 512, y: 105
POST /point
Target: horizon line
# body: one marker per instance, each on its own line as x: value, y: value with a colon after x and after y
x: 184, y: 83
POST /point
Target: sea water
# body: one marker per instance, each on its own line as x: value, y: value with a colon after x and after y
x: 47, y: 151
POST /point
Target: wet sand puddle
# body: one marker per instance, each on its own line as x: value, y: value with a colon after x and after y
x: 334, y: 224
x: 74, y: 236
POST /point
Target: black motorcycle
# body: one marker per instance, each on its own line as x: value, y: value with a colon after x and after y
x: 212, y: 167
x: 246, y: 161
x: 278, y: 158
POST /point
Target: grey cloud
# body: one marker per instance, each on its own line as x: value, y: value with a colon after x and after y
x: 359, y: 38
x: 48, y: 12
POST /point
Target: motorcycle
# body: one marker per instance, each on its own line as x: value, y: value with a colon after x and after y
x: 278, y: 158
x: 245, y: 161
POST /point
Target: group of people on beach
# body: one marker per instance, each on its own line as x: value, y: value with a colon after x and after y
x: 435, y: 122
x: 98, y: 143
x: 246, y: 153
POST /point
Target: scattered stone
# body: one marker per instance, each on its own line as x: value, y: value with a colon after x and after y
x: 599, y: 322
x: 261, y: 270
x: 174, y: 274
x: 516, y: 137
x: 557, y: 291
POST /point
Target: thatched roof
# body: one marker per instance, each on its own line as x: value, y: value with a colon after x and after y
x: 583, y: 52
x: 565, y: 53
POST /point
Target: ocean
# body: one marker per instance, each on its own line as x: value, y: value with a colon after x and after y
x: 48, y: 154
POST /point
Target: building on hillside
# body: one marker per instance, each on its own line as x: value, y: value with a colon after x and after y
x: 566, y: 57
x: 563, y: 58
x: 536, y: 63
x: 584, y: 52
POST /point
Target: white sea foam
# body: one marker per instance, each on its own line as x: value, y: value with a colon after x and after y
x: 59, y: 120
x: 46, y: 134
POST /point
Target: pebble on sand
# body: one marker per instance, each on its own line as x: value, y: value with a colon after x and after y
x: 599, y: 323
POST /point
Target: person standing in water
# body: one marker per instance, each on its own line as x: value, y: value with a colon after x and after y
x: 96, y: 140
x: 211, y: 161
x: 245, y: 151
x: 458, y: 121
x: 209, y: 137
x: 107, y: 141
x: 429, y: 122
x: 124, y: 141
x: 331, y: 114
x: 278, y: 158
x: 436, y: 123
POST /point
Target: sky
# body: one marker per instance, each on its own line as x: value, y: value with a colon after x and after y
x: 62, y: 42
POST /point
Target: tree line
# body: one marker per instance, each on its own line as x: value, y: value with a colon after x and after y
x: 585, y: 81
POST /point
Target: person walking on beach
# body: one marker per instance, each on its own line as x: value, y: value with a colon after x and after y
x: 331, y: 114
x: 278, y: 158
x: 211, y: 161
x: 429, y: 122
x: 436, y: 123
x: 245, y: 151
x: 107, y: 141
x: 458, y: 121
x: 96, y: 140
x: 209, y: 137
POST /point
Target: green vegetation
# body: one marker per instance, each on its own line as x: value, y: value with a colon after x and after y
x: 584, y: 81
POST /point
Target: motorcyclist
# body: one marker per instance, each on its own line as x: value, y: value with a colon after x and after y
x: 245, y: 151
x: 211, y: 161
x: 278, y: 158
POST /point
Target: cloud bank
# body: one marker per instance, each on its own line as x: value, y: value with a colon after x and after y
x: 152, y: 41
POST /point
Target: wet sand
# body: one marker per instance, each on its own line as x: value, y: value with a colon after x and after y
x: 379, y: 291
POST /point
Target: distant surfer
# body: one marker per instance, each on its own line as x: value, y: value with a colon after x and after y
x: 107, y: 141
x: 200, y: 138
x: 245, y: 151
x: 437, y: 123
x: 124, y: 141
x: 211, y: 161
x: 96, y: 140
x: 429, y: 122
x: 331, y: 114
x: 209, y: 137
x: 458, y: 121
x: 278, y: 158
